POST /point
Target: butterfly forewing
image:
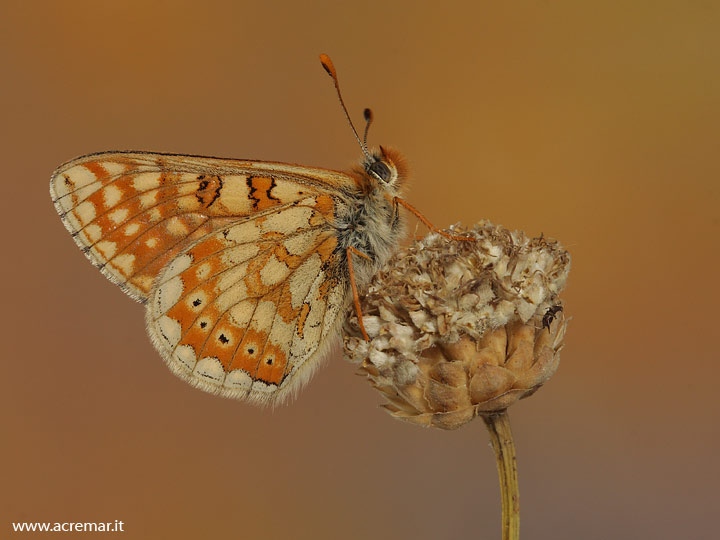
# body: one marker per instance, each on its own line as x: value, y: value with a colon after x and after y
x: 132, y: 212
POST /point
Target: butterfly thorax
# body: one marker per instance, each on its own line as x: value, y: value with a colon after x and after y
x: 369, y: 221
x: 372, y: 225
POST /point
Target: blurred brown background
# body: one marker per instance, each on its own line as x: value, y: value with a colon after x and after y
x: 595, y: 123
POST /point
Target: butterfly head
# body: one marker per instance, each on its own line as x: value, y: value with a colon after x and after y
x: 385, y: 168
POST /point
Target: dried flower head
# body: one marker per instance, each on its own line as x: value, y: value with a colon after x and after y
x: 461, y: 328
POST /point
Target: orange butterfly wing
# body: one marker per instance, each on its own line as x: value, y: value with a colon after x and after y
x: 238, y: 257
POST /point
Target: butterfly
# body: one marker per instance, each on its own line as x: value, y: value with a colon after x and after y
x: 246, y: 268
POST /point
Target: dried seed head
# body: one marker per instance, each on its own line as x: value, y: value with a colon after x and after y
x: 460, y: 328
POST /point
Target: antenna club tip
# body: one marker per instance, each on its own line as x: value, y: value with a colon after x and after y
x: 328, y: 65
x: 368, y: 115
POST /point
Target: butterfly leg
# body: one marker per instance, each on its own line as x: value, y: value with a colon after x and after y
x: 349, y: 251
x: 433, y: 228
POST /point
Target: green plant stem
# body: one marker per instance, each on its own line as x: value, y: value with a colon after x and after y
x: 498, y: 426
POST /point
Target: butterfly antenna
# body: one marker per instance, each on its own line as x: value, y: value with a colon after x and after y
x: 330, y: 68
x: 368, y: 115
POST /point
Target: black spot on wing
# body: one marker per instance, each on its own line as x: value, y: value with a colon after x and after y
x: 208, y: 190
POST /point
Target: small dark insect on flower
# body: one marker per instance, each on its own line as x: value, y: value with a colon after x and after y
x: 549, y: 316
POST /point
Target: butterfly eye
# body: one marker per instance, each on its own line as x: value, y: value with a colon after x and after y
x: 380, y: 171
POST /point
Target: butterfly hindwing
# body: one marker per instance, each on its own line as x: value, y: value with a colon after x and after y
x: 244, y: 311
